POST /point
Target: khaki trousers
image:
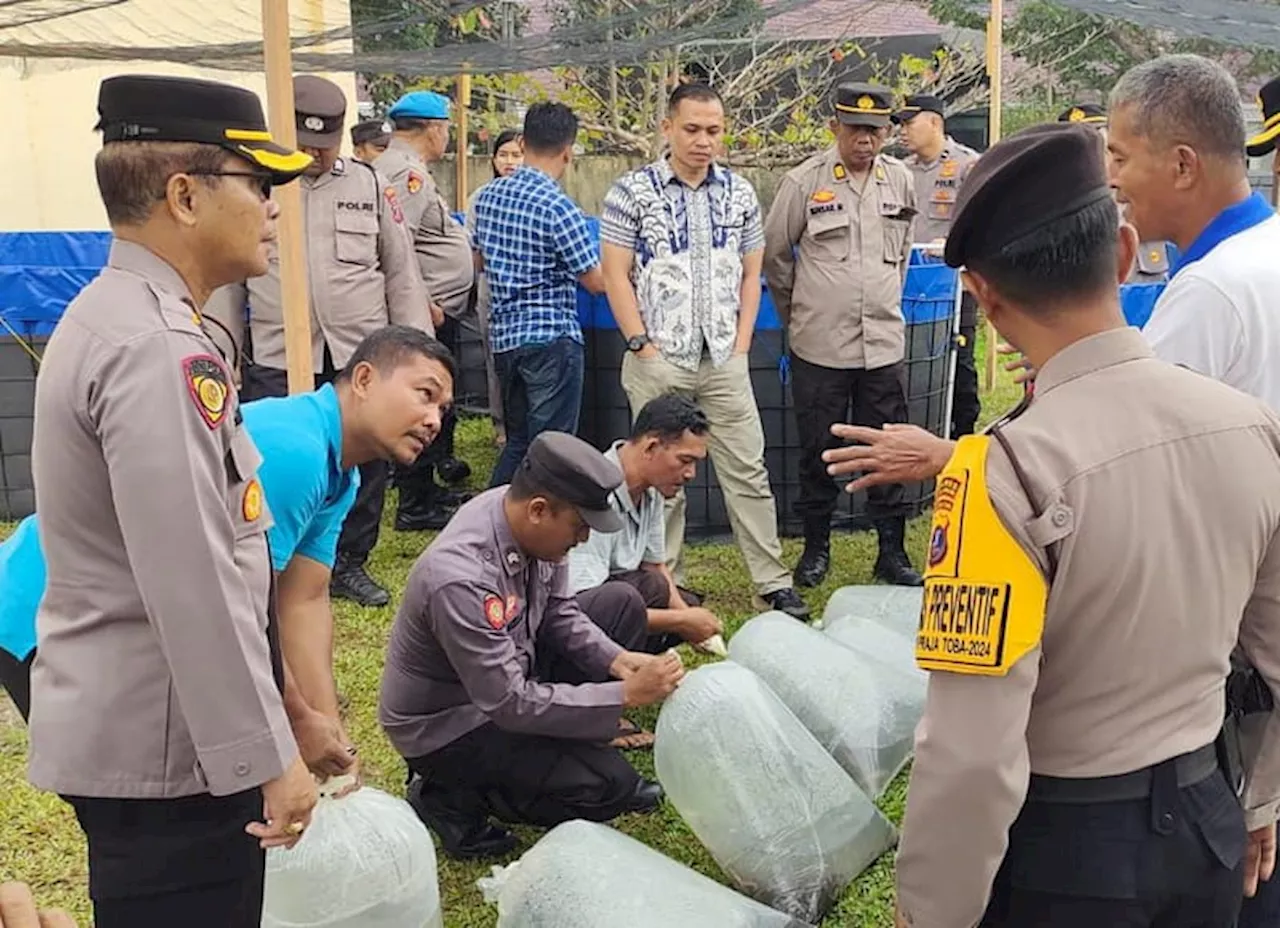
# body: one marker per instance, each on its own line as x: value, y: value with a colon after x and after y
x: 736, y: 445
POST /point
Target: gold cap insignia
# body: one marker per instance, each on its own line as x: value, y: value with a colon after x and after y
x: 1076, y: 115
x: 866, y: 103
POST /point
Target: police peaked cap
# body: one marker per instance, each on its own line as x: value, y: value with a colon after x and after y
x: 151, y: 108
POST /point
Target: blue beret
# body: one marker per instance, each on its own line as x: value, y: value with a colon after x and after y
x: 420, y: 104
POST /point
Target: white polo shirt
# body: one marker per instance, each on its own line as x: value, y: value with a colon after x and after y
x: 1220, y: 313
x: 641, y: 540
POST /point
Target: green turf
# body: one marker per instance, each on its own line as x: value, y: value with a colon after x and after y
x: 40, y: 843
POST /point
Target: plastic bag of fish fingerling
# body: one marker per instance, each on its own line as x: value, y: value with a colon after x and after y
x: 780, y: 816
x: 895, y: 607
x: 365, y: 861
x: 586, y: 875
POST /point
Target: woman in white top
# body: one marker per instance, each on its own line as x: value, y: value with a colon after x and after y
x: 508, y: 155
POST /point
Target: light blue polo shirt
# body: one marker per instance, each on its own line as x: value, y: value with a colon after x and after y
x: 307, y: 491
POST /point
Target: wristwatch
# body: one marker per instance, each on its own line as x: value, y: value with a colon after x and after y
x: 636, y: 342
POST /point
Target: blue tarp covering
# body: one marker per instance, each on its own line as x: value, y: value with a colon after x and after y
x: 41, y: 272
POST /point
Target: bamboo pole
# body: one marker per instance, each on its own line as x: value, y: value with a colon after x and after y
x: 292, y: 235
x: 995, y: 72
x: 464, y: 101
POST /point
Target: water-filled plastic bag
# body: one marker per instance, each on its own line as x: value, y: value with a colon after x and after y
x: 860, y: 709
x: 586, y: 875
x: 894, y: 607
x: 780, y: 816
x: 366, y: 861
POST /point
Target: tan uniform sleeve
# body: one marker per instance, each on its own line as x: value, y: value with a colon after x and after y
x: 782, y: 231
x: 909, y: 198
x: 226, y: 321
x: 408, y: 302
x: 968, y: 782
x: 171, y: 499
x: 1260, y: 641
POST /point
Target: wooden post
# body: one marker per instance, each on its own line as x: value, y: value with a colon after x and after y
x: 995, y: 72
x: 460, y: 179
x: 292, y: 243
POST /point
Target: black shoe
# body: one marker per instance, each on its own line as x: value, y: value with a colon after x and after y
x: 647, y: 797
x: 352, y: 581
x: 453, y: 499
x: 463, y: 836
x: 895, y: 567
x: 813, y: 565
x: 453, y: 470
x: 424, y: 520
x: 787, y: 600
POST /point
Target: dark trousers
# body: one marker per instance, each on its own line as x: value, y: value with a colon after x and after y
x: 653, y: 589
x: 419, y: 490
x: 15, y: 677
x: 1263, y: 910
x: 535, y: 779
x: 1125, y: 864
x: 360, y: 530
x: 541, y: 391
x: 824, y: 396
x: 181, y: 861
x: 965, y: 405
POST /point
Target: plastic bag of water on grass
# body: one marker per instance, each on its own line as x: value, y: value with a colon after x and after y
x: 863, y: 711
x: 779, y: 815
x: 894, y: 607
x: 366, y: 861
x: 585, y: 875
x: 875, y: 641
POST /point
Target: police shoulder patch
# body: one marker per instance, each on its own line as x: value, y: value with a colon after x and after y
x: 251, y: 503
x: 207, y: 383
x: 394, y: 202
x: 414, y: 182
x: 494, y: 611
x: 984, y: 598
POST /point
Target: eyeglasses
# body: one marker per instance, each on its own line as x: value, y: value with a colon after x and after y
x: 264, y: 180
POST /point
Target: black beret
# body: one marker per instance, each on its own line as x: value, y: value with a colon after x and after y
x: 1084, y: 112
x: 371, y: 130
x: 573, y: 471
x: 1023, y: 183
x: 320, y: 108
x: 1269, y: 101
x: 919, y: 103
x: 151, y: 108
x: 863, y: 105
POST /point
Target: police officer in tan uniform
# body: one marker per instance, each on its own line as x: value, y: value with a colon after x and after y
x: 502, y: 690
x: 420, y: 121
x: 157, y: 709
x: 1080, y: 607
x: 939, y: 164
x: 836, y: 245
x: 362, y: 276
x: 1151, y: 264
x: 369, y: 139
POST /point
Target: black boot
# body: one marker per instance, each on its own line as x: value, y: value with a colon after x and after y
x: 422, y: 507
x: 893, y: 566
x: 453, y: 470
x: 351, y: 581
x: 463, y: 835
x: 814, y: 563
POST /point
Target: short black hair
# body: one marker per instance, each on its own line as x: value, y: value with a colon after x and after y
x: 693, y: 90
x: 669, y: 416
x: 549, y: 128
x: 393, y: 345
x: 1070, y: 258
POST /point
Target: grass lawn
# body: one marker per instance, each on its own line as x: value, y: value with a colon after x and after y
x: 40, y: 842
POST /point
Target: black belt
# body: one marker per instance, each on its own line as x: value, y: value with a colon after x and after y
x: 1191, y: 769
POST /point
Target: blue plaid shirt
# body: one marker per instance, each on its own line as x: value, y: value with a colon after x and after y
x: 536, y: 243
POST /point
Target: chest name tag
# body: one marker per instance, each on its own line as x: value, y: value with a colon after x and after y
x: 984, y: 597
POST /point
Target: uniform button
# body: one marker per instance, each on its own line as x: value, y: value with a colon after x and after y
x: 241, y: 769
x: 1166, y: 820
x: 1060, y: 517
x: 488, y: 555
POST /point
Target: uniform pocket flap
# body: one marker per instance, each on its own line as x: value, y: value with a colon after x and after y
x: 828, y: 224
x: 361, y: 222
x: 243, y: 457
